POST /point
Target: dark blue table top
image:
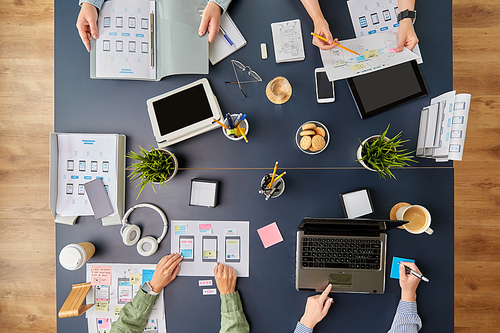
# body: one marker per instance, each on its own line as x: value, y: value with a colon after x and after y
x: 312, y: 182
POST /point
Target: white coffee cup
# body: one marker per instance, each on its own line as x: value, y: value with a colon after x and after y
x: 74, y: 256
x: 419, y: 219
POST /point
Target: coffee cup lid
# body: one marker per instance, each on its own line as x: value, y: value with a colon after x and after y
x: 70, y: 258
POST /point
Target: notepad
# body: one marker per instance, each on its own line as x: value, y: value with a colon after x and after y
x: 220, y: 47
x: 395, y: 266
x: 288, y: 42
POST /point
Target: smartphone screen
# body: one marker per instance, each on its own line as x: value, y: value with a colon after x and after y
x: 387, y: 15
x: 325, y: 87
x: 375, y: 19
x: 233, y: 248
x: 186, y: 247
x: 209, y: 244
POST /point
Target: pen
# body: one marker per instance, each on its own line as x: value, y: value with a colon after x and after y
x: 229, y: 41
x: 229, y: 120
x: 152, y: 19
x: 412, y: 272
x: 241, y: 119
x: 326, y: 40
x: 218, y: 122
x: 236, y: 120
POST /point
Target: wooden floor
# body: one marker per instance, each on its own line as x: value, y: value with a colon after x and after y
x: 27, y: 232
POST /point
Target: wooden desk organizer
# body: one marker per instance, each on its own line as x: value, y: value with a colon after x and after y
x: 73, y: 307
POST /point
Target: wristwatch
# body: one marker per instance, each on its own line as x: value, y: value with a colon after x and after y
x: 147, y: 289
x: 407, y: 14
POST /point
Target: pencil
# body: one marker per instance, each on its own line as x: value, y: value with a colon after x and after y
x: 218, y: 122
x: 284, y: 173
x: 242, y: 133
x: 326, y: 40
x: 274, y: 174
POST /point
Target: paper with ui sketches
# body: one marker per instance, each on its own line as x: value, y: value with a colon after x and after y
x: 287, y: 40
x: 375, y: 52
x: 220, y: 47
x: 375, y: 16
x: 82, y: 158
x: 124, y: 45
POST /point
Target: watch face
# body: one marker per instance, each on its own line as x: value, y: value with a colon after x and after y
x: 146, y: 287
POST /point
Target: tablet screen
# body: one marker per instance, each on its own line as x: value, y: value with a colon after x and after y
x: 384, y: 89
x: 182, y: 109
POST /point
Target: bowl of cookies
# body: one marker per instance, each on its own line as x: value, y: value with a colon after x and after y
x: 312, y: 137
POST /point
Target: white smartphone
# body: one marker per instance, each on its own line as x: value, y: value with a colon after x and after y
x: 209, y: 244
x: 325, y: 92
x: 233, y: 249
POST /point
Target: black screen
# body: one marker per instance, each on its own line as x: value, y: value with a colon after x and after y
x: 378, y: 91
x: 182, y: 109
x: 325, y: 87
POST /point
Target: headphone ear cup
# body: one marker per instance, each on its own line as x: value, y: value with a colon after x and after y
x: 131, y: 234
x: 147, y: 246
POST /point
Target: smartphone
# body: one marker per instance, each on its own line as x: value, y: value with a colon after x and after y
x: 232, y: 249
x: 98, y: 198
x: 209, y: 248
x: 362, y: 22
x: 325, y: 92
x: 186, y: 247
x: 124, y: 291
x: 387, y: 15
x: 375, y: 19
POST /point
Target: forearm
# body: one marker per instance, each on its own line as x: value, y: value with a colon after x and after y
x: 222, y: 4
x: 96, y: 3
x: 134, y: 315
x: 233, y: 319
x: 313, y: 9
x: 406, y: 319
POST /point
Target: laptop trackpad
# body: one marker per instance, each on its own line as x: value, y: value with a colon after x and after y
x: 342, y: 281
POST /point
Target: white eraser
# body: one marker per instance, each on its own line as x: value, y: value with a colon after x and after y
x: 202, y: 283
x: 209, y: 291
x: 263, y: 50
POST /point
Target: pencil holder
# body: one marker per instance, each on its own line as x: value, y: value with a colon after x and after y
x: 233, y: 133
x: 276, y: 189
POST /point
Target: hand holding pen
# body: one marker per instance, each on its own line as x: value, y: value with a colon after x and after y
x: 409, y: 281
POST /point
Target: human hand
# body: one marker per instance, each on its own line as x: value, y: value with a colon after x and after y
x: 165, y: 272
x: 408, y: 282
x: 406, y: 35
x: 316, y: 308
x: 87, y: 23
x: 321, y: 28
x: 210, y: 20
x: 225, y: 278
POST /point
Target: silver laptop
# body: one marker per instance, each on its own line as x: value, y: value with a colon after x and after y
x: 348, y: 253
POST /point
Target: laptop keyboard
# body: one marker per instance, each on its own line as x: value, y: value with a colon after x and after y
x: 341, y: 253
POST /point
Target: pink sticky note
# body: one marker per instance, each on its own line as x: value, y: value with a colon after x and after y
x: 101, y: 275
x: 205, y: 226
x: 103, y: 324
x: 270, y: 235
x: 393, y: 50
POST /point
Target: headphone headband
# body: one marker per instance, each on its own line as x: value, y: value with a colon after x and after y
x: 148, y: 205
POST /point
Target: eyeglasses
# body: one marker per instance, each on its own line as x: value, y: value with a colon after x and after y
x: 243, y: 68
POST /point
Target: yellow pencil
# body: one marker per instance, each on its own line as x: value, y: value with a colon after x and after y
x: 274, y: 174
x: 326, y: 40
x: 242, y: 133
x: 284, y: 173
x: 218, y: 122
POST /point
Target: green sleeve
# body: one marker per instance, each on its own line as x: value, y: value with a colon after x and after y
x: 233, y: 319
x: 134, y: 315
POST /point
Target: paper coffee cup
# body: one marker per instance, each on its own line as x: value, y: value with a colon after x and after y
x: 419, y: 219
x: 74, y: 256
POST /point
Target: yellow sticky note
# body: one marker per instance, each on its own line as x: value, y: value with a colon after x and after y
x: 370, y: 54
x: 357, y: 67
x: 117, y: 310
x: 101, y: 306
x: 176, y: 228
x: 135, y: 278
x: 209, y: 254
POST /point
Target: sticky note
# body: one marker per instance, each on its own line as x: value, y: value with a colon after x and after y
x: 180, y: 229
x: 101, y: 306
x: 147, y: 275
x: 395, y: 266
x: 135, y: 278
x: 209, y: 292
x: 357, y: 67
x: 370, y: 54
x: 203, y: 283
x: 393, y: 50
x: 117, y: 310
x: 103, y: 323
x: 270, y: 235
x: 232, y: 231
x: 205, y: 228
x: 100, y: 275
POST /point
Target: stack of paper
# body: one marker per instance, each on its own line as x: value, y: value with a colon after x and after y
x: 287, y: 41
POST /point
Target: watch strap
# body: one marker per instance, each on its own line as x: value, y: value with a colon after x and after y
x: 407, y: 14
x: 146, y: 287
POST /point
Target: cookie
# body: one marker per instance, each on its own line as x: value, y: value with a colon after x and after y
x: 320, y: 131
x: 313, y: 150
x: 307, y: 132
x: 305, y: 142
x: 308, y: 126
x: 318, y: 142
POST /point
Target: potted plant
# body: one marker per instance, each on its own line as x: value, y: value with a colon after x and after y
x: 156, y: 166
x: 379, y: 153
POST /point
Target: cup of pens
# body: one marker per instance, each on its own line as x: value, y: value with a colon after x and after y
x: 272, y: 185
x: 235, y: 127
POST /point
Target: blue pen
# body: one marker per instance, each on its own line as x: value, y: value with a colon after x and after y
x: 237, y: 120
x: 241, y: 119
x: 229, y: 120
x: 230, y: 42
